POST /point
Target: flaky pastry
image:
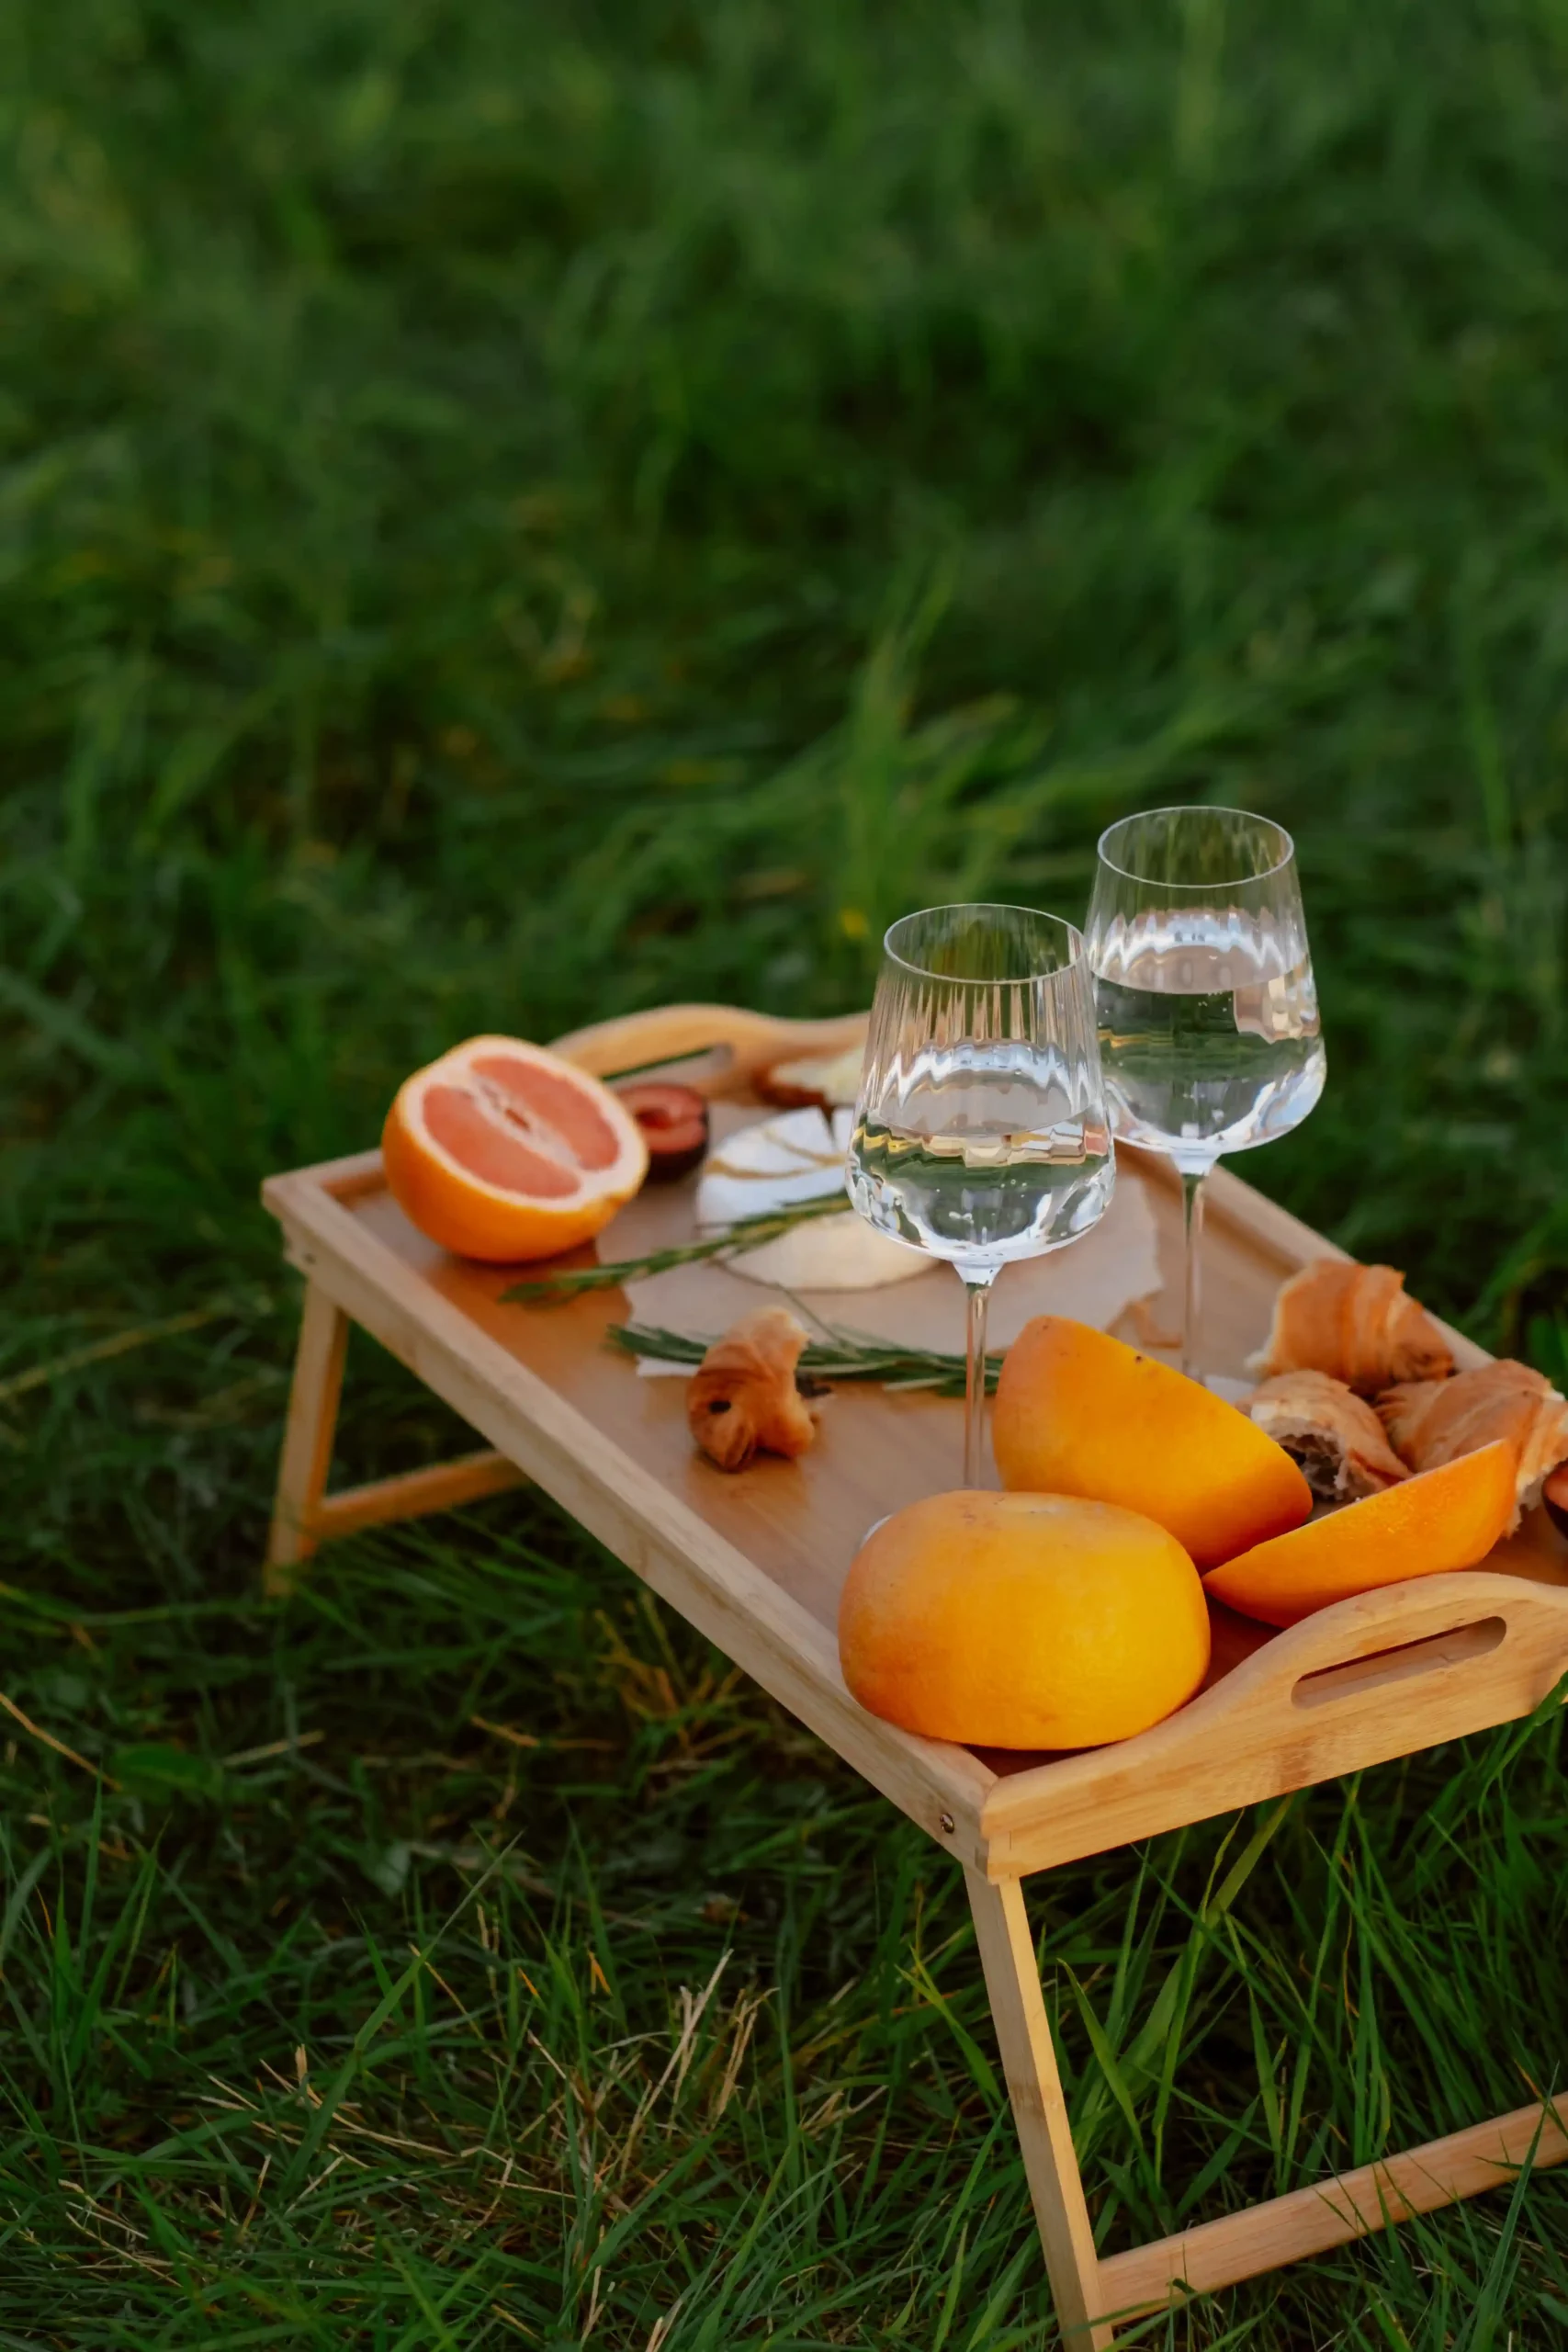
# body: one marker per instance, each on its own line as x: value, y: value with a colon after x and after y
x: 1357, y: 1324
x: 743, y: 1395
x: 1331, y: 1434
x: 1433, y: 1422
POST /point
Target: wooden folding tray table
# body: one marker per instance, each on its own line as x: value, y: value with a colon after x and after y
x: 755, y: 1562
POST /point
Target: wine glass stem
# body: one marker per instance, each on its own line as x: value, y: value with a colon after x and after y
x: 1192, y: 1273
x: 977, y: 1288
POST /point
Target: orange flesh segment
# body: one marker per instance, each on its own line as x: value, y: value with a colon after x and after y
x: 470, y: 1134
x: 532, y: 1093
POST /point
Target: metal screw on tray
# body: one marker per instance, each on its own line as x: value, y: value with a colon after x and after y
x: 981, y: 1133
x: 1208, y: 1013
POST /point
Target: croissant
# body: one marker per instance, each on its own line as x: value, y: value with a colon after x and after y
x: 1433, y: 1422
x: 1355, y: 1323
x: 743, y: 1394
x: 1333, y: 1433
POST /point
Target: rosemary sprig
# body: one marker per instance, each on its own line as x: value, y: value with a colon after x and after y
x: 838, y: 1355
x: 746, y: 1233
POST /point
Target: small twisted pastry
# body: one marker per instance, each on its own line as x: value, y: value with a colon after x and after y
x: 1357, y: 1324
x: 743, y: 1394
x: 1433, y: 1422
x: 1333, y: 1433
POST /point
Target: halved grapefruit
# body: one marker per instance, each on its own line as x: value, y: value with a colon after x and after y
x: 503, y: 1151
x: 1439, y: 1520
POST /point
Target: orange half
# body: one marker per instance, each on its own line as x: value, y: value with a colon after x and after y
x: 503, y: 1151
x: 1440, y: 1520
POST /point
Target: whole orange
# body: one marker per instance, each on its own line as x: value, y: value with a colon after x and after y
x: 1022, y: 1620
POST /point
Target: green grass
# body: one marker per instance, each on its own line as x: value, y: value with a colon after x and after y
x: 508, y: 515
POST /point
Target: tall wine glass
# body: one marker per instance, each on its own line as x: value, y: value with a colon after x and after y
x: 1208, y: 1015
x: 981, y: 1132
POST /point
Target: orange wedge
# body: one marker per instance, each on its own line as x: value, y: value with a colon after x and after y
x: 1438, y: 1520
x: 503, y: 1151
x: 1080, y: 1413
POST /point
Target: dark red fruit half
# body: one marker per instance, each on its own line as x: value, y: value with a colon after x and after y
x: 1554, y: 1495
x: 674, y: 1122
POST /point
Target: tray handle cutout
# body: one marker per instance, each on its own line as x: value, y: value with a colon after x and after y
x: 1354, y: 1678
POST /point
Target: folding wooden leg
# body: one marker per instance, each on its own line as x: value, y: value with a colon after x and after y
x: 1238, y: 2246
x: 304, y: 1514
x: 307, y: 1437
x: 1335, y: 2212
x: 1034, y: 2087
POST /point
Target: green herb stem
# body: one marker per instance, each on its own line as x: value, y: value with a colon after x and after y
x: 836, y: 1355
x: 746, y: 1233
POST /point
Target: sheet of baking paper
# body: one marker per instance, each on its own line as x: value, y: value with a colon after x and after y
x: 1094, y: 1280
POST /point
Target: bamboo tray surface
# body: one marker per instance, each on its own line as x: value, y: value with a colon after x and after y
x: 757, y: 1560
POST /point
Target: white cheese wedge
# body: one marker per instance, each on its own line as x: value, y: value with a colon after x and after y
x: 798, y: 1157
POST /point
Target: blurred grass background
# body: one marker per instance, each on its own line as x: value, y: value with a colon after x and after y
x: 510, y: 516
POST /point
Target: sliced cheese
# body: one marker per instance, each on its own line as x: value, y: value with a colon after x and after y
x: 799, y: 1156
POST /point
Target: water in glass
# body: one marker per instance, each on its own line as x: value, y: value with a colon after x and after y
x: 982, y: 1133
x: 1208, y: 1015
x: 1210, y: 1042
x: 980, y: 1156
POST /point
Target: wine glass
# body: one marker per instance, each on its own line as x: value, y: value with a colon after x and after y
x: 1208, y: 1015
x: 981, y: 1132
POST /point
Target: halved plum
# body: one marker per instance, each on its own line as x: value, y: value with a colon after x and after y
x: 674, y: 1122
